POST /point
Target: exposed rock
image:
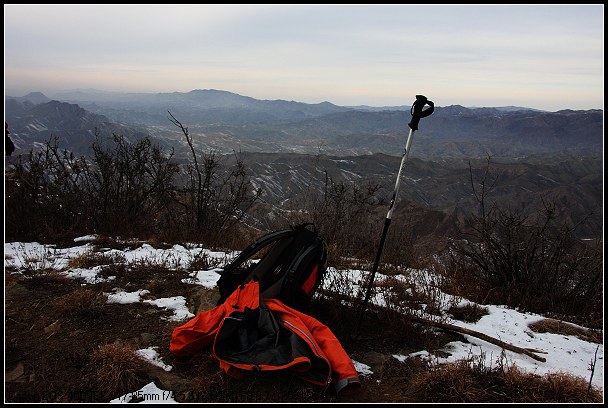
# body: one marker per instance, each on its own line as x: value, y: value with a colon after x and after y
x: 166, y: 380
x: 375, y: 360
x: 203, y: 299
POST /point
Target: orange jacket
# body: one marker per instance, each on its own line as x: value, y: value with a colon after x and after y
x: 253, y: 335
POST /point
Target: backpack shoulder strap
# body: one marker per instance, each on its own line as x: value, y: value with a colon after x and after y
x: 317, y: 246
x: 258, y: 244
x: 233, y: 273
x: 268, y: 239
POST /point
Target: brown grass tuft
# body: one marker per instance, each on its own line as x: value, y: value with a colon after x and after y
x: 471, y: 312
x: 465, y: 382
x: 41, y: 277
x: 560, y: 327
x: 398, y: 293
x: 78, y: 300
x: 156, y: 243
x: 202, y: 261
x: 116, y: 369
x: 115, y: 243
x: 92, y: 259
x: 214, y: 387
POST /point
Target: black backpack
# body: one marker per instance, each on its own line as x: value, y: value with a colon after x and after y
x: 290, y: 271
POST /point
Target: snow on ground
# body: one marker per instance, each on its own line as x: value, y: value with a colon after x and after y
x: 563, y: 353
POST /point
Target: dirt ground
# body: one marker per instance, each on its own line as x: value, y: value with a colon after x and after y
x: 54, y: 326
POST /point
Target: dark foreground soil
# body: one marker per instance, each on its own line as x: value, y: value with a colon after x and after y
x: 65, y: 343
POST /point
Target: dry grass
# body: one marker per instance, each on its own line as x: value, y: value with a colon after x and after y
x: 93, y: 259
x: 210, y: 387
x: 139, y: 274
x: 117, y: 369
x: 44, y: 276
x: 79, y: 299
x: 115, y: 243
x: 470, y: 312
x: 158, y: 244
x: 560, y: 327
x: 401, y: 294
x: 462, y: 382
x: 202, y: 261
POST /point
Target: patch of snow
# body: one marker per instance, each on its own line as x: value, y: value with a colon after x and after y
x: 176, y: 303
x: 86, y: 238
x: 151, y: 355
x: 124, y: 298
x: 207, y: 279
x: 89, y: 275
x: 362, y: 369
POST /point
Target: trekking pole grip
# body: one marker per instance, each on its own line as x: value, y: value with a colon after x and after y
x: 418, y: 113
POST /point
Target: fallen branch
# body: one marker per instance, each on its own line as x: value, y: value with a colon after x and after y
x: 450, y: 327
x: 485, y: 337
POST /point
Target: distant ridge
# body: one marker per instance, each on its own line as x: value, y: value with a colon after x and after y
x: 75, y: 127
x: 509, y: 108
x: 226, y: 121
x: 213, y: 96
x: 206, y: 105
x: 33, y: 97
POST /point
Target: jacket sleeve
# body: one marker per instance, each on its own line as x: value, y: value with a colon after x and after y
x: 197, y: 333
x: 344, y: 373
x: 200, y: 331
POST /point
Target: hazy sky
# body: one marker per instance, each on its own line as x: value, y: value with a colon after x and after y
x: 544, y: 56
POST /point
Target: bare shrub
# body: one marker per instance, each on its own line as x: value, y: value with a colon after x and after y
x: 132, y: 182
x: 201, y: 261
x: 526, y: 258
x: 44, y: 193
x: 402, y: 296
x: 126, y: 189
x: 343, y: 213
x: 214, y: 199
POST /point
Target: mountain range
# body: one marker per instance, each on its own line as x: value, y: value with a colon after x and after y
x: 290, y: 146
x: 226, y: 122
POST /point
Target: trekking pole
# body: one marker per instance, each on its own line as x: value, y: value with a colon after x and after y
x: 417, y: 114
